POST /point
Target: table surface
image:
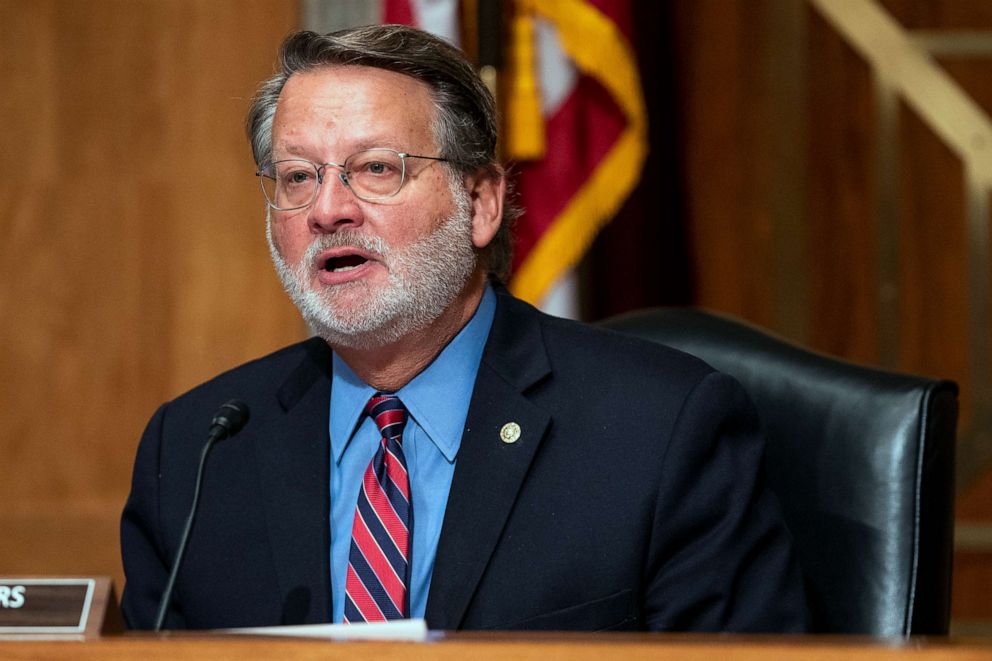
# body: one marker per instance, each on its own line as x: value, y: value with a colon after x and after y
x: 504, y: 646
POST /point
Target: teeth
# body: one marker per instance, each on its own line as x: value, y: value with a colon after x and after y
x: 340, y: 269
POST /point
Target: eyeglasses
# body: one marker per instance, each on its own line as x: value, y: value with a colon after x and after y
x: 372, y: 174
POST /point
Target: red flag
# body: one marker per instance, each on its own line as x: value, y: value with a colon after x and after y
x: 580, y: 148
x: 575, y: 122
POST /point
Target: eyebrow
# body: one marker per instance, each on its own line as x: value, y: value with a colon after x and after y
x: 299, y: 151
x: 294, y: 150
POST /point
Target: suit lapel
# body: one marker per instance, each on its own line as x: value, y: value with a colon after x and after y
x: 489, y: 472
x: 292, y: 453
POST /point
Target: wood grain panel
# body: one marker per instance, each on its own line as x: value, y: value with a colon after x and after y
x: 973, y: 75
x: 842, y: 193
x: 941, y: 14
x: 933, y: 291
x: 970, y: 590
x: 973, y: 568
x: 133, y: 262
x: 727, y: 137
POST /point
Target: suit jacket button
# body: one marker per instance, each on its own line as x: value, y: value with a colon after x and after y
x: 510, y: 433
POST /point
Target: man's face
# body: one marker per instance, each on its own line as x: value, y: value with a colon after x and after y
x: 367, y: 273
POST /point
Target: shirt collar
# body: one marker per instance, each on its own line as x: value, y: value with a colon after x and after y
x: 437, y: 399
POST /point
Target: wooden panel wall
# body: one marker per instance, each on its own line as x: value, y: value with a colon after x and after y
x: 843, y: 241
x: 884, y: 260
x: 132, y: 255
x: 726, y: 141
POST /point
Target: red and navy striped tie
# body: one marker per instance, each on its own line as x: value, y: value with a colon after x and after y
x: 379, y: 561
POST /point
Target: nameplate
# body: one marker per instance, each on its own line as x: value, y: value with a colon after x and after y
x: 45, y: 605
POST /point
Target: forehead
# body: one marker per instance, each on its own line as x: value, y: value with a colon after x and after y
x: 355, y: 105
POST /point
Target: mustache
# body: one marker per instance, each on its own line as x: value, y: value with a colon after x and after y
x: 371, y: 244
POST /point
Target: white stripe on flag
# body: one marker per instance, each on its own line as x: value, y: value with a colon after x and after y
x: 438, y: 17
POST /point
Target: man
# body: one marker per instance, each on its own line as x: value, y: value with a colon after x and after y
x: 440, y: 449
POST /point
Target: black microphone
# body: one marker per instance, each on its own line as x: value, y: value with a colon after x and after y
x: 228, y: 421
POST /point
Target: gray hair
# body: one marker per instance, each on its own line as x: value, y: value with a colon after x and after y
x: 464, y: 126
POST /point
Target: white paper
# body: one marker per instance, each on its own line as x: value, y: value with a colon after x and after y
x: 414, y: 630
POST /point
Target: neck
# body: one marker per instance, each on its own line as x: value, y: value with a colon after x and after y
x: 390, y: 367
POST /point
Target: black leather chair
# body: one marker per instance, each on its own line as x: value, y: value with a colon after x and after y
x: 862, y: 462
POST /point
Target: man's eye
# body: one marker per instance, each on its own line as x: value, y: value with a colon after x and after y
x: 297, y: 177
x: 376, y: 168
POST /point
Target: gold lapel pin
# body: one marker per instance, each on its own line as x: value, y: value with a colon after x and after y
x: 510, y: 433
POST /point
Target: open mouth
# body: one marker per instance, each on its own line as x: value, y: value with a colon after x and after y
x: 343, y: 263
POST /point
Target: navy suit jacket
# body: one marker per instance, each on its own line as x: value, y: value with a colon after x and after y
x: 633, y: 498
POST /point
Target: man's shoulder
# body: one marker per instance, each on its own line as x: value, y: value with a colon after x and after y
x: 577, y: 345
x: 262, y: 379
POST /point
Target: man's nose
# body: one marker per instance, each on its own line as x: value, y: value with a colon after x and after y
x: 335, y: 206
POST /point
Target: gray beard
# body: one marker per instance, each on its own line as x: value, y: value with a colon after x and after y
x: 424, y: 279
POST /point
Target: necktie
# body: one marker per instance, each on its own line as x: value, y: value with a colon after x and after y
x: 379, y: 560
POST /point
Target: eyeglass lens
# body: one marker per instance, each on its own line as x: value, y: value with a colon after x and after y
x: 371, y: 174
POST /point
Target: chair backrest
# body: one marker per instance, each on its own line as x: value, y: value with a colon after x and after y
x: 862, y: 462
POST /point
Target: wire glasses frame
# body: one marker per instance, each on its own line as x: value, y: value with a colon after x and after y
x: 371, y: 175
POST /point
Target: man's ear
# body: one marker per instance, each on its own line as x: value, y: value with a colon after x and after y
x: 486, y: 189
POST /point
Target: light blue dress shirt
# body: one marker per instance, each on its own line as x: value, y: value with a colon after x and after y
x: 437, y: 401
